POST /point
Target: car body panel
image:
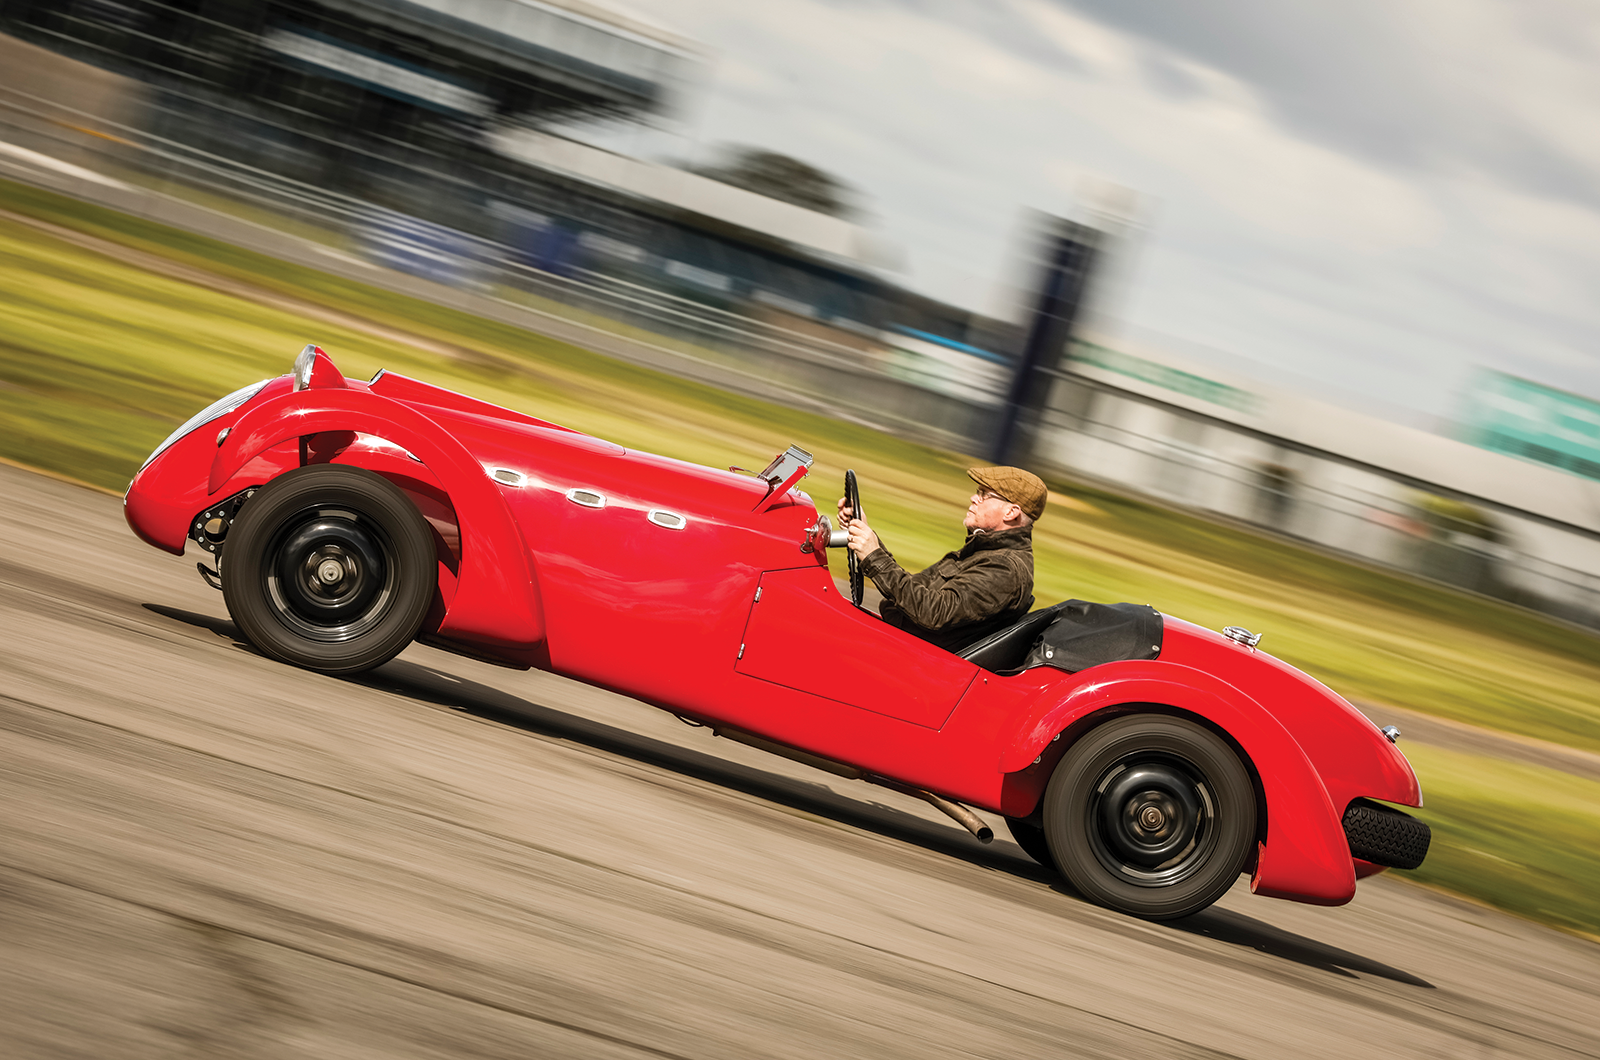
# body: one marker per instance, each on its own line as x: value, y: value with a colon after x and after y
x: 496, y: 600
x: 701, y: 591
x: 170, y: 490
x: 1304, y: 847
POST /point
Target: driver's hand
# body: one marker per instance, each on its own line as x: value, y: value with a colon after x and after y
x: 844, y: 514
x: 863, y: 542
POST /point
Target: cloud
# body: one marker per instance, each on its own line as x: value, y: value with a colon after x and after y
x: 1218, y: 133
x: 1364, y: 190
x: 1506, y: 87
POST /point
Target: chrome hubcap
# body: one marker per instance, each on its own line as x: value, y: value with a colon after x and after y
x: 1152, y: 820
x: 329, y: 574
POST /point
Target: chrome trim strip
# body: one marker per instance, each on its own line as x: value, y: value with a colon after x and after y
x: 670, y: 520
x: 508, y: 477
x: 586, y: 497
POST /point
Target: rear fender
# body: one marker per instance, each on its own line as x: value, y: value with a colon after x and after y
x: 496, y: 599
x: 1305, y: 855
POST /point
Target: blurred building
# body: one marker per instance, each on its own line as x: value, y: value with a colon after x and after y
x: 388, y: 100
x: 1518, y: 520
x: 440, y: 121
x: 417, y: 72
x: 1521, y: 418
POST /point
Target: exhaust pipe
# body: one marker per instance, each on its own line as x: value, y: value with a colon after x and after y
x: 953, y: 810
x: 957, y: 813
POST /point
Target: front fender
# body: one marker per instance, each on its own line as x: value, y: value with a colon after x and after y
x: 1305, y: 855
x: 496, y: 598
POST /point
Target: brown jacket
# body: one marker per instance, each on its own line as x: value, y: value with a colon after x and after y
x: 965, y: 596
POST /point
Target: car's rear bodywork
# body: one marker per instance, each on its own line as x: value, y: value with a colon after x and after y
x: 707, y: 593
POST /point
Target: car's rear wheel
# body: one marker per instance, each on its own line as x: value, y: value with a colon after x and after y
x: 1151, y: 815
x: 329, y: 567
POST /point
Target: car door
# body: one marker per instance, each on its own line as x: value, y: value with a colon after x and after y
x: 803, y: 634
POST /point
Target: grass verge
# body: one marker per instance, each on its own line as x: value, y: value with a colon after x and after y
x: 1517, y: 837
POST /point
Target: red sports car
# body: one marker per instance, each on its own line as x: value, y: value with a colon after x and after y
x: 1150, y: 760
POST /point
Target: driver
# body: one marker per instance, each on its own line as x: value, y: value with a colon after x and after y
x: 984, y: 586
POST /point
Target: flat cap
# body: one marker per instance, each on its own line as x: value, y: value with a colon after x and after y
x: 1022, y: 488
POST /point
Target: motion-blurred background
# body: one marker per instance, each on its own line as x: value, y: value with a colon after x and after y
x: 1291, y: 310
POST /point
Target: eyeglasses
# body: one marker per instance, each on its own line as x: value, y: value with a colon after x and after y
x: 989, y: 495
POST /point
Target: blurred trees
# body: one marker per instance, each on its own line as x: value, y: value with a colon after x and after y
x: 779, y: 176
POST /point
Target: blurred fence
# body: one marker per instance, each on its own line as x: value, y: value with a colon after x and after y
x: 127, y: 134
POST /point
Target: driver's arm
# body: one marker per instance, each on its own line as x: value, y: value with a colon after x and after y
x: 988, y: 584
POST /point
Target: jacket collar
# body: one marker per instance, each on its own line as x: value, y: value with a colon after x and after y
x: 1016, y: 537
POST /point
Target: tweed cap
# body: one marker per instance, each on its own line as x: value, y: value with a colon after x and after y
x: 1022, y: 488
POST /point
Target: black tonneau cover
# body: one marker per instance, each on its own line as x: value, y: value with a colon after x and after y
x: 1072, y: 636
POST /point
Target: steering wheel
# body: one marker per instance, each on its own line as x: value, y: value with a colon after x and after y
x: 852, y: 500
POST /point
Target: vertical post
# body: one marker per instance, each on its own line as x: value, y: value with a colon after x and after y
x: 1070, y: 256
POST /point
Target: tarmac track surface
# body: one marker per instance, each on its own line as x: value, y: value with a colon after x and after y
x: 204, y: 853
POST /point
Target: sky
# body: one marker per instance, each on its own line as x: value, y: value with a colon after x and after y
x: 1368, y: 199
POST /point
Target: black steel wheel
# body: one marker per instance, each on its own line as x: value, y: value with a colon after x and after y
x: 329, y: 567
x: 1151, y: 815
x: 1030, y: 837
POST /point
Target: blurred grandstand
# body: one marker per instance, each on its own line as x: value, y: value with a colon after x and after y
x: 436, y: 139
x: 443, y: 113
x: 428, y: 135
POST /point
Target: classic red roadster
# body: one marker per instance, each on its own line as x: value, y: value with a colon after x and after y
x: 1151, y: 761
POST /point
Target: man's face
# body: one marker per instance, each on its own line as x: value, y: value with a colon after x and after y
x: 987, y: 511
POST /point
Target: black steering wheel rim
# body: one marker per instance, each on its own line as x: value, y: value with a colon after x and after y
x: 852, y: 500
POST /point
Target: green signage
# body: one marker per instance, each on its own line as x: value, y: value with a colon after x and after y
x: 1513, y: 416
x: 1173, y: 379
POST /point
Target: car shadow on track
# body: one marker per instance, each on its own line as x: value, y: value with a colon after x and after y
x: 1237, y: 929
x: 222, y: 627
x: 425, y: 684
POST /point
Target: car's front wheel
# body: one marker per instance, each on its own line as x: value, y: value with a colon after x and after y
x: 329, y: 567
x: 1151, y: 815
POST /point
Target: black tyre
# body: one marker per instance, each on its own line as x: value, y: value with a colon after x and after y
x: 1151, y: 815
x: 1384, y: 835
x: 329, y: 567
x: 1030, y: 837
